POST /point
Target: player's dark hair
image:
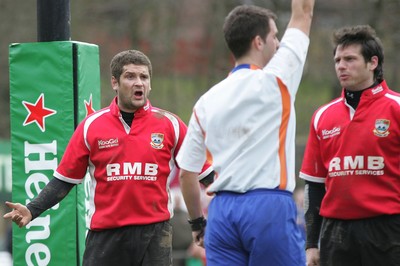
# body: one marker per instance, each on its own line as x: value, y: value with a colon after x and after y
x: 243, y: 24
x: 366, y: 36
x: 128, y: 57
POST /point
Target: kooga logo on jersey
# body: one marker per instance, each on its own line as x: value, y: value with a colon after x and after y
x: 330, y: 133
x: 107, y: 143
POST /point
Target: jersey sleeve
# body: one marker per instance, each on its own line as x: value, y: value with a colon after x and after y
x: 192, y: 155
x: 312, y: 168
x: 288, y: 62
x: 181, y: 136
x: 206, y: 173
x: 74, y: 163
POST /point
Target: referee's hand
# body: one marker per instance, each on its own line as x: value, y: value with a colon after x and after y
x: 198, y: 237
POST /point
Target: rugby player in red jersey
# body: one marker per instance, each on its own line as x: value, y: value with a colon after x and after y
x: 129, y: 149
x: 351, y: 162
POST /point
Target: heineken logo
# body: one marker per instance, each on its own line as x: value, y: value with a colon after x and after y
x: 39, y: 163
x: 37, y: 113
x: 89, y: 106
x: 47, y: 103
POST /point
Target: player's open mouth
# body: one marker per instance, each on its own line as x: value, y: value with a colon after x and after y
x: 138, y: 93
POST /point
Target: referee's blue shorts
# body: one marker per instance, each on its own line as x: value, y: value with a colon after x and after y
x: 254, y: 228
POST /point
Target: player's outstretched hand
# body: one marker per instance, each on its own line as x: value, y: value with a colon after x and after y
x: 20, y: 214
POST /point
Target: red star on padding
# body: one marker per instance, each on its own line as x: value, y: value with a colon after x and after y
x: 37, y: 113
x: 89, y: 106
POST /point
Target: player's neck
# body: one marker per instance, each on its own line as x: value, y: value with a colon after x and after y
x: 249, y: 61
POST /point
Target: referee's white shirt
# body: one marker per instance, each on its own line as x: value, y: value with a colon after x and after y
x: 246, y: 123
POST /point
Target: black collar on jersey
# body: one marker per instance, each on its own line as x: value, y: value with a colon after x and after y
x: 128, y: 117
x: 353, y: 97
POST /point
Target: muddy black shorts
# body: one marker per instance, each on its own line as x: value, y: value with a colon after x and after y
x: 139, y: 245
x: 365, y: 242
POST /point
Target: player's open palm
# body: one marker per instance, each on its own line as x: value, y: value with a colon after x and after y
x: 20, y: 214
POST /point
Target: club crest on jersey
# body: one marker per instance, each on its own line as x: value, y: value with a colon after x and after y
x: 381, y: 127
x: 157, y: 140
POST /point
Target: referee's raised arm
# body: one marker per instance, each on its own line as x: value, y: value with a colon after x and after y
x: 302, y: 13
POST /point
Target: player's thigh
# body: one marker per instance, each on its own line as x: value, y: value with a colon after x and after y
x: 381, y: 245
x: 105, y: 248
x: 337, y: 245
x: 159, y: 249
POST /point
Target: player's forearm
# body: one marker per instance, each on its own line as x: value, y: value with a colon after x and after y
x: 313, y: 195
x: 51, y: 194
x: 191, y: 193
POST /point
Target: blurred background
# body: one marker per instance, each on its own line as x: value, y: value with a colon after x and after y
x: 184, y: 41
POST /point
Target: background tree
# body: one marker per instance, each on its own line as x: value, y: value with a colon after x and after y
x: 185, y: 43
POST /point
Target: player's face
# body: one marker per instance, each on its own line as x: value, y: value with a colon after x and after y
x: 271, y: 42
x: 133, y: 87
x: 352, y: 71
